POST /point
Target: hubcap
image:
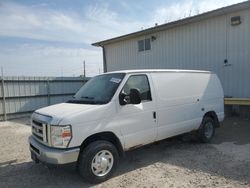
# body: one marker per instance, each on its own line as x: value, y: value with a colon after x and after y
x: 209, y: 129
x: 102, y: 163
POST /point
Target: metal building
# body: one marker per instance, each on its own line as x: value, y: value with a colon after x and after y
x: 218, y: 41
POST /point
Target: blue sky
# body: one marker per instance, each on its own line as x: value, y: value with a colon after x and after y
x: 52, y: 38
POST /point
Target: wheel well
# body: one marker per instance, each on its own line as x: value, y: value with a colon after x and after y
x: 107, y: 136
x: 213, y: 115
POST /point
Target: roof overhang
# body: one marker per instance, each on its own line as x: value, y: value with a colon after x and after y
x: 192, y: 19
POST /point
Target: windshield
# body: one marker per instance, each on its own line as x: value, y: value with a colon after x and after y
x: 99, y: 89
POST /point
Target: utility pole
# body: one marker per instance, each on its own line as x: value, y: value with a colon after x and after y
x: 84, y: 70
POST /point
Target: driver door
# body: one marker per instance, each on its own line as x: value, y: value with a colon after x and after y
x: 138, y: 122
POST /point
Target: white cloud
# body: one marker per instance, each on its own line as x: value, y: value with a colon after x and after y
x: 46, y: 60
x: 186, y: 8
x: 44, y: 50
x: 39, y: 23
x: 52, y: 25
x: 98, y: 22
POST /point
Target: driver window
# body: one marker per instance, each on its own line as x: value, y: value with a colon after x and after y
x: 141, y: 83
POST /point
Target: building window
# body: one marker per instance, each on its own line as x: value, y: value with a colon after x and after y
x: 141, y: 45
x: 144, y: 45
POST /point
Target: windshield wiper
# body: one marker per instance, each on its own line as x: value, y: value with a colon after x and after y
x: 85, y: 102
x: 87, y: 97
x: 75, y: 101
x: 97, y: 102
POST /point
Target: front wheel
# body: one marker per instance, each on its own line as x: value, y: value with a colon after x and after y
x: 207, y: 130
x: 98, y: 161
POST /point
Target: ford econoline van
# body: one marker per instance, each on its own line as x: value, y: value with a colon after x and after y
x: 118, y: 111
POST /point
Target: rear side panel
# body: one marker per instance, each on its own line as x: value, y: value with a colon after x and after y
x: 183, y: 99
x: 213, y: 98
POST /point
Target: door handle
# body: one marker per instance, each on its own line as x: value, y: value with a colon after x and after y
x: 154, y: 115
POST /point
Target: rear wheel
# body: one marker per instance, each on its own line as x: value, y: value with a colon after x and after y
x: 207, y: 129
x: 98, y: 161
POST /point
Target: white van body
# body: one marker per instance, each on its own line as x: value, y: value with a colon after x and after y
x: 179, y: 101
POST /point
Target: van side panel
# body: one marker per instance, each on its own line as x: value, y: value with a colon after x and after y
x: 183, y: 99
x: 213, y: 98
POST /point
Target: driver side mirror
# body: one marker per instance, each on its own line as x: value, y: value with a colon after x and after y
x: 133, y: 98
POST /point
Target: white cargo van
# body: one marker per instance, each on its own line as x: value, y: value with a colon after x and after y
x: 119, y: 111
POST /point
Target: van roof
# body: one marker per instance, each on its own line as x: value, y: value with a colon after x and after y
x: 161, y: 70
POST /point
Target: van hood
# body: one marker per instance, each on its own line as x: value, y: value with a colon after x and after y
x: 63, y: 110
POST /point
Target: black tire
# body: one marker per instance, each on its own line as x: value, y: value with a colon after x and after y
x: 206, y: 130
x: 87, y: 156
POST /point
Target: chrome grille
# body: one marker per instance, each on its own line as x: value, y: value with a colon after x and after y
x: 41, y: 128
x: 39, y: 131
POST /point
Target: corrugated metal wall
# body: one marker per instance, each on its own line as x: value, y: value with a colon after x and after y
x: 202, y: 45
x: 22, y: 95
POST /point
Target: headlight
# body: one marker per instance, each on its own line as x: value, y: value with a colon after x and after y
x: 60, y: 135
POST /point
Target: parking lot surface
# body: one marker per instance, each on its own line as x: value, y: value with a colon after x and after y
x: 173, y: 162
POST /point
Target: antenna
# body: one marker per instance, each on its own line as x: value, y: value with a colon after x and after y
x: 190, y: 12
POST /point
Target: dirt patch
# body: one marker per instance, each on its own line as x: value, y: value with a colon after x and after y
x: 170, y: 163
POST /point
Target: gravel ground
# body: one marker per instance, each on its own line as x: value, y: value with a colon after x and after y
x: 169, y: 163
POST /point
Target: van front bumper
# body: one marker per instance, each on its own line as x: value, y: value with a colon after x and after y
x: 45, y: 154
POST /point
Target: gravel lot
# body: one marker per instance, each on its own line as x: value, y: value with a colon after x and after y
x: 169, y: 163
